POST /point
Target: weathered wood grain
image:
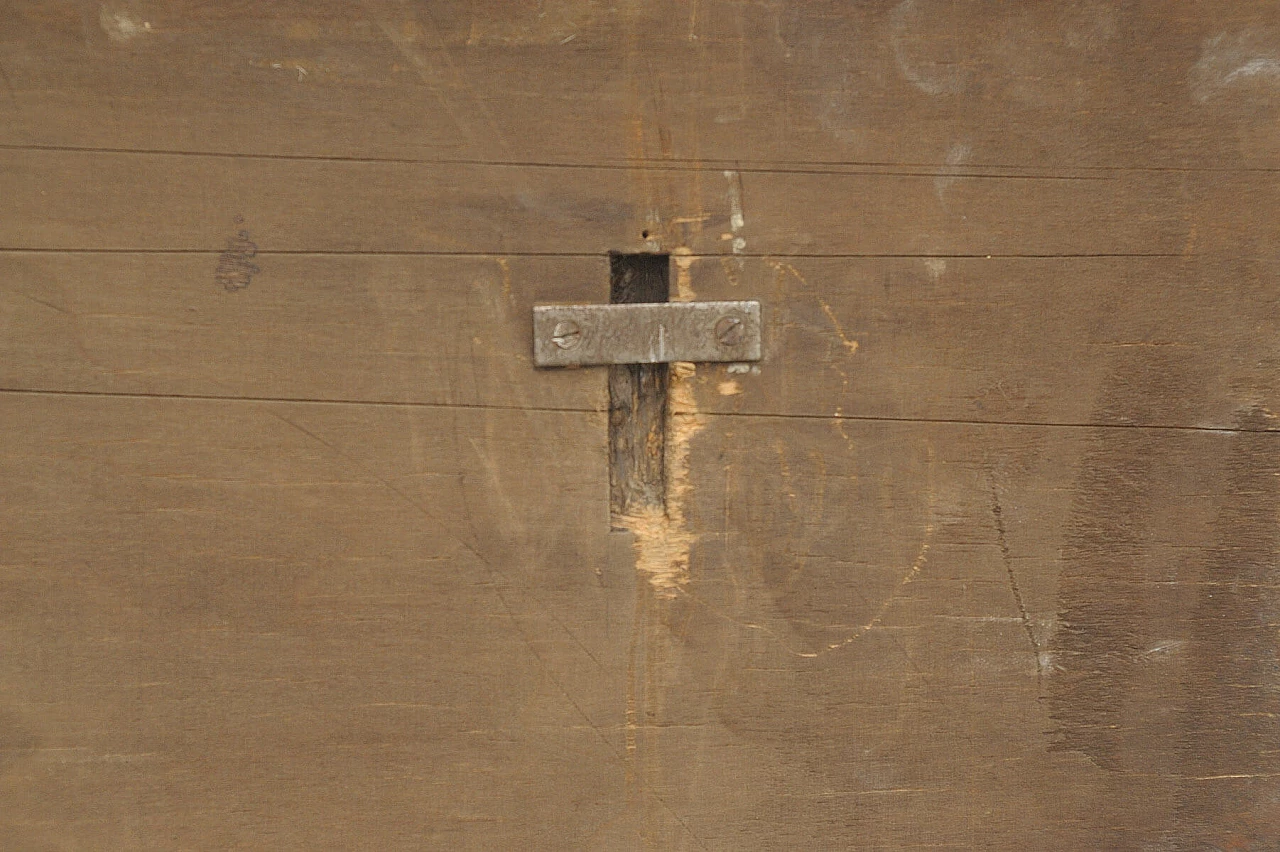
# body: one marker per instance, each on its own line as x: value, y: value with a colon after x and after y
x: 1166, y: 83
x: 244, y: 624
x: 1007, y: 340
x: 999, y: 340
x: 319, y: 625
x: 75, y: 200
x: 966, y: 634
x: 437, y: 330
x: 638, y: 410
x: 298, y: 551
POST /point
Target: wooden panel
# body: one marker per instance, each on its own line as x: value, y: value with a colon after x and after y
x: 953, y: 636
x: 438, y: 330
x: 72, y: 200
x: 311, y: 626
x: 300, y: 552
x: 1153, y: 83
x: 245, y: 624
x: 1024, y: 340
x: 1018, y: 340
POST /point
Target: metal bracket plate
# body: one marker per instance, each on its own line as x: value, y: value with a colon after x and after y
x: 647, y: 333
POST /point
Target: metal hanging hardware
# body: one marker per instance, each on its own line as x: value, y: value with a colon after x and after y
x: 645, y: 333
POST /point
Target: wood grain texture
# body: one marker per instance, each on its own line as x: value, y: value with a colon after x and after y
x: 1166, y: 83
x: 128, y: 201
x: 1008, y: 629
x: 638, y: 396
x: 316, y: 624
x: 971, y: 339
x: 259, y: 624
x: 298, y: 551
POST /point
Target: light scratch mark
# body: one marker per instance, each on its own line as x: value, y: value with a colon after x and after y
x: 851, y: 345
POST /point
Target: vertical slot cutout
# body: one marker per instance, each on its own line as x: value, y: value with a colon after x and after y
x: 638, y: 397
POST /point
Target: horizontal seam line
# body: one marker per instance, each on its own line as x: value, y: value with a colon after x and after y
x: 197, y: 397
x: 944, y: 421
x: 672, y: 164
x: 954, y: 421
x: 867, y: 169
x: 428, y: 253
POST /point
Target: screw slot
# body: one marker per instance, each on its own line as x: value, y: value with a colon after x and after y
x: 566, y: 334
x: 730, y: 330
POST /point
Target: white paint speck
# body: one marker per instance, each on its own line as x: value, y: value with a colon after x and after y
x: 737, y: 221
x: 1048, y: 664
x: 119, y: 25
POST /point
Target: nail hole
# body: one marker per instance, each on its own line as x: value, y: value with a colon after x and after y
x: 644, y: 235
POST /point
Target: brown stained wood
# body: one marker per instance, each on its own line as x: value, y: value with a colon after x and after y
x: 289, y: 628
x: 74, y: 200
x: 435, y: 330
x: 924, y: 81
x: 300, y: 552
x: 249, y: 624
x: 1006, y: 629
x: 1003, y: 340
